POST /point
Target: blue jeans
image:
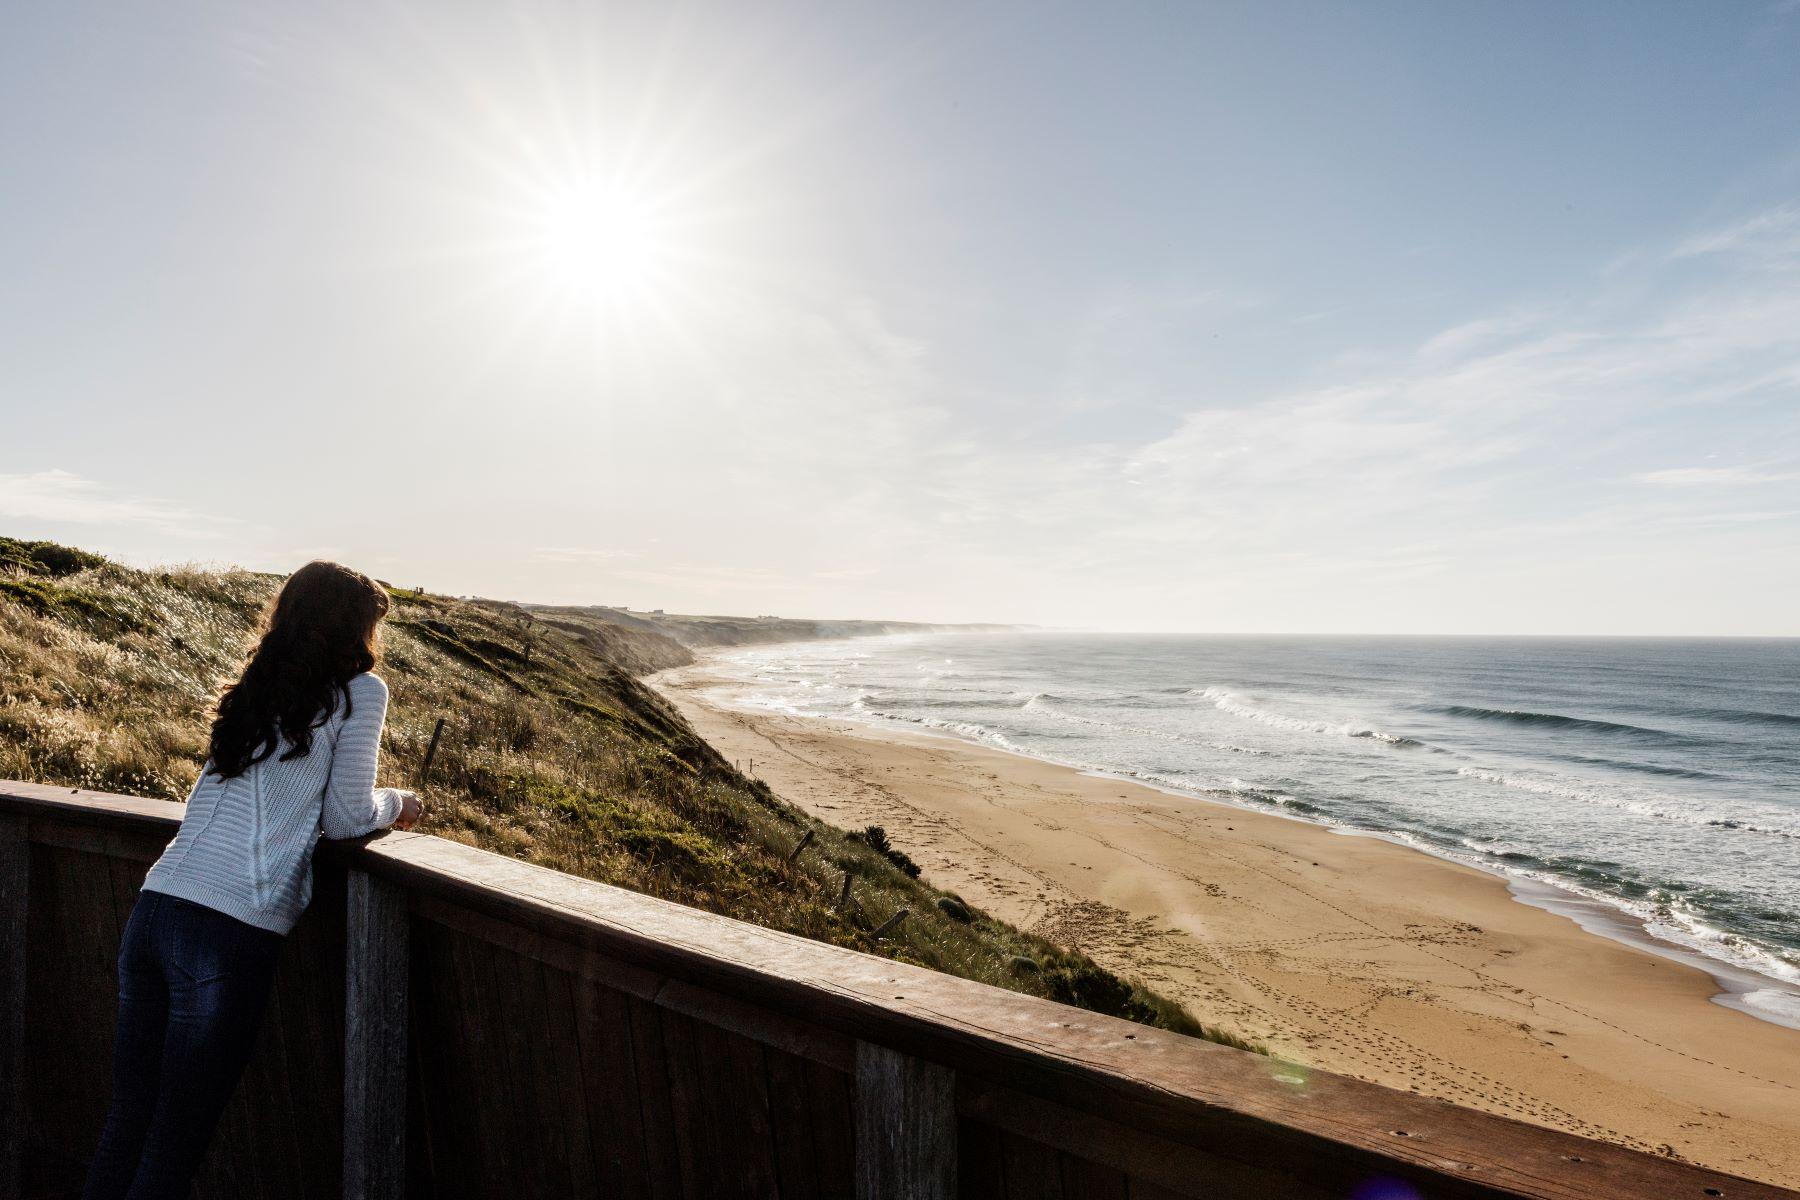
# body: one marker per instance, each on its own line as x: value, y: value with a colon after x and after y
x: 193, y: 983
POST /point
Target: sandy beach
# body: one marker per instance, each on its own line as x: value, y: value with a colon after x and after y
x: 1347, y: 953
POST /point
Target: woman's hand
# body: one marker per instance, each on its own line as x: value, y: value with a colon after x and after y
x: 410, y: 808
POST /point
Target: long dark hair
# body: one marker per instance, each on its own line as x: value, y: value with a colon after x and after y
x: 320, y: 634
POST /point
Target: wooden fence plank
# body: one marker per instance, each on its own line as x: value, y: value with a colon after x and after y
x: 830, y: 1097
x: 783, y: 1031
x: 315, y: 977
x: 980, y: 1162
x: 737, y: 1098
x: 905, y: 1126
x: 264, y: 1111
x: 90, y: 987
x: 428, y: 1044
x: 609, y: 1081
x: 449, y: 1067
x: 15, y: 890
x: 697, y: 1139
x: 375, y: 1007
x: 55, y: 1137
x: 303, y: 1058
x: 650, y: 1057
x: 1010, y: 1115
x: 562, y: 1048
x: 1085, y: 1180
x: 96, y: 839
x: 1032, y: 1170
x: 533, y: 1117
x: 485, y: 1079
x: 791, y: 1125
x: 500, y: 1095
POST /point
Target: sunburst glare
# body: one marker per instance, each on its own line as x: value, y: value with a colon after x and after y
x: 604, y: 244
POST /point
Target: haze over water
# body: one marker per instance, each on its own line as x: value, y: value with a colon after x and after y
x: 1660, y: 776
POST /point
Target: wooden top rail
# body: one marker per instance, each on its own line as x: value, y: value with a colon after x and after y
x: 1122, y: 1092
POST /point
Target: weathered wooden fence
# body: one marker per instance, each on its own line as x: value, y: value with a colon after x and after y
x: 449, y: 1022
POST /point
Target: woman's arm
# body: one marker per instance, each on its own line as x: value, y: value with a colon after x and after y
x: 353, y: 804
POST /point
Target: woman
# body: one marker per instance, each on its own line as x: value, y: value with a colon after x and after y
x: 292, y: 755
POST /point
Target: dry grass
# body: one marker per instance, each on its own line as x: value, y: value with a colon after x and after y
x: 552, y: 753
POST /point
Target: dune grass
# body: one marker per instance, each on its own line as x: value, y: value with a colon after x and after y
x: 553, y: 753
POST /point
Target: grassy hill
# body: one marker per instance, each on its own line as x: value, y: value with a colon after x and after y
x: 553, y: 752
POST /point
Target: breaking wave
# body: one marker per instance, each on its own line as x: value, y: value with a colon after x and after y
x: 1238, y: 706
x: 1642, y: 808
x: 1038, y: 703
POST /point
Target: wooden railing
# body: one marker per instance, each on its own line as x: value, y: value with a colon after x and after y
x: 449, y: 1022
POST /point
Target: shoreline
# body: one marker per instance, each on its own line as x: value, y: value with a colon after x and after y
x: 1339, y: 948
x: 1594, y: 914
x: 1734, y: 983
x: 1778, y: 1000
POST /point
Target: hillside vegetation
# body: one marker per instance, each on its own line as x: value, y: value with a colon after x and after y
x: 553, y: 752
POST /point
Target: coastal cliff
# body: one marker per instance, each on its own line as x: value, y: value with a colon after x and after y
x: 708, y: 632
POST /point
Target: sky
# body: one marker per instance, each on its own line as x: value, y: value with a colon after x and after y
x: 1260, y: 317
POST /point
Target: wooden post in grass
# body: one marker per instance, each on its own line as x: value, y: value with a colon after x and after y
x: 844, y: 892
x: 890, y: 923
x: 805, y: 841
x: 431, y: 750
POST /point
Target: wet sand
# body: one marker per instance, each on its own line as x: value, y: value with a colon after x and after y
x: 1348, y: 953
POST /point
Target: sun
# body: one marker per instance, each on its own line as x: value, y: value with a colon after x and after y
x: 625, y: 257
x: 603, y: 244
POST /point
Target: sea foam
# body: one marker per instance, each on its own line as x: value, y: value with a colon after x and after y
x: 1240, y: 706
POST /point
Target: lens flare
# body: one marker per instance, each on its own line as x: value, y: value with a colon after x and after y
x: 1386, y: 1189
x: 1289, y: 1073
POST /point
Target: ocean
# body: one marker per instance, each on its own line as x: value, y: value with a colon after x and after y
x: 1657, y: 777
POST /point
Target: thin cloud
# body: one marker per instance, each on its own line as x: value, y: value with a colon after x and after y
x: 61, y: 496
x: 723, y: 578
x: 1705, y: 520
x: 1713, y: 476
x: 1771, y: 234
x: 581, y: 554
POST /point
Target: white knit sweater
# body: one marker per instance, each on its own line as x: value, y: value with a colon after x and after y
x: 245, y: 845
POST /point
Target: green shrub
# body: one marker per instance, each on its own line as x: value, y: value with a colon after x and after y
x: 876, y: 838
x: 1089, y: 986
x: 77, y: 606
x: 46, y: 558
